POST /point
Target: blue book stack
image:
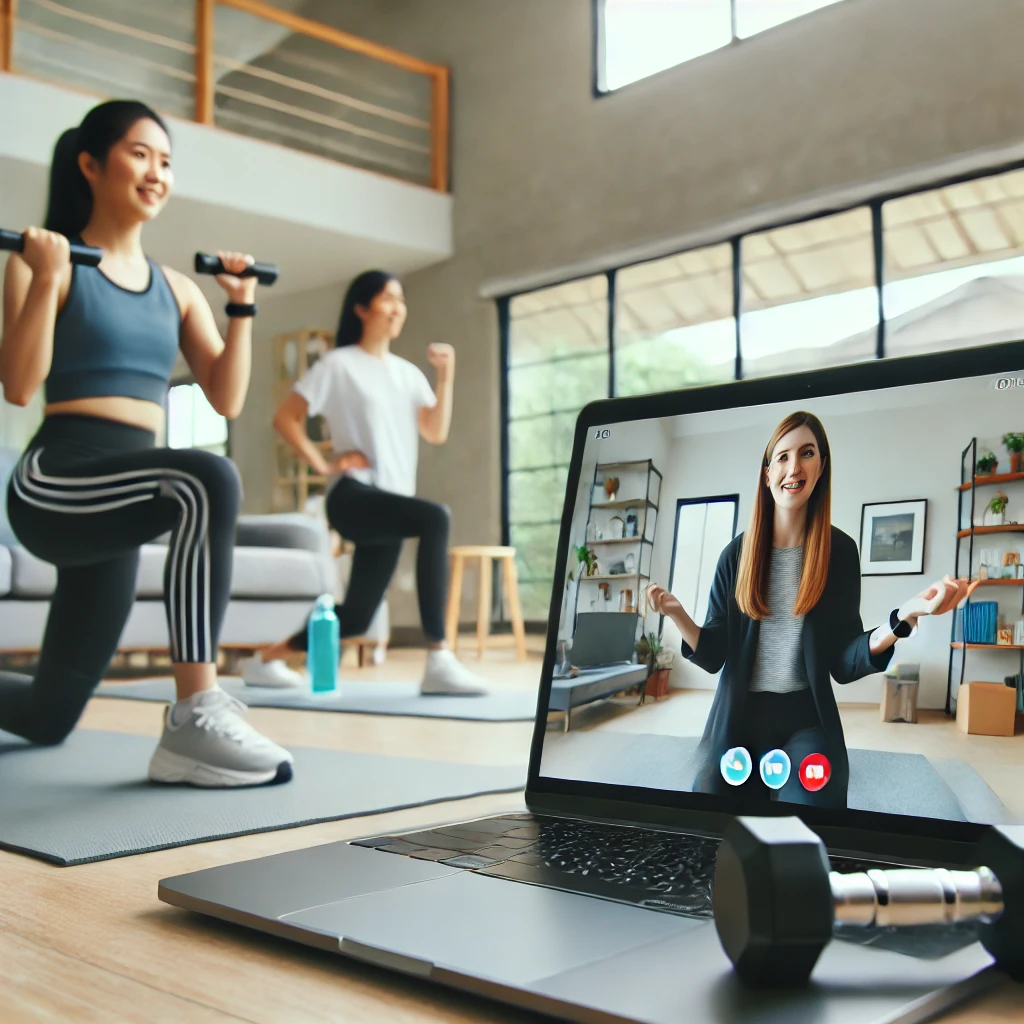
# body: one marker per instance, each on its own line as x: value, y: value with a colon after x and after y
x: 980, y: 622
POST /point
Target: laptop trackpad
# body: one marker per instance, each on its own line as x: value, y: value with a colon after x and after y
x: 507, y: 931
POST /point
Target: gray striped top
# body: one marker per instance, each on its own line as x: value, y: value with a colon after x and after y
x: 779, y: 662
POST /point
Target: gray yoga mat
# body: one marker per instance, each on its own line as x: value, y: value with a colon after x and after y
x: 357, y: 697
x: 90, y: 800
x: 880, y: 780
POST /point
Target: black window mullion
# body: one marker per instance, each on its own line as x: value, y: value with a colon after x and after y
x: 611, y: 333
x: 503, y: 342
x: 879, y: 251
x: 737, y: 299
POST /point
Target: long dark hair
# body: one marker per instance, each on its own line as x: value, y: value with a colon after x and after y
x: 70, y: 203
x: 361, y: 292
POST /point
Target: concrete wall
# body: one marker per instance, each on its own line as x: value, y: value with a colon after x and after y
x: 546, y: 177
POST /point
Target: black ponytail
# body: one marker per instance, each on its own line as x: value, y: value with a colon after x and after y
x: 69, y: 206
x: 361, y: 292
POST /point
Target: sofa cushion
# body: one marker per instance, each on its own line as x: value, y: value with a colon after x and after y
x: 5, y: 571
x: 8, y: 460
x: 30, y: 576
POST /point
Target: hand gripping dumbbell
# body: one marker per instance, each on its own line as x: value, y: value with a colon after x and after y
x: 776, y: 900
x: 265, y: 273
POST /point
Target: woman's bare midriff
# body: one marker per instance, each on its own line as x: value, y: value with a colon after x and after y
x: 134, y: 411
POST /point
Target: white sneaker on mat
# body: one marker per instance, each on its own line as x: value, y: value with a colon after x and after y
x: 272, y: 675
x: 207, y: 742
x: 446, y: 675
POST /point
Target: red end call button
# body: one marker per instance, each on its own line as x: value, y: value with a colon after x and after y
x: 815, y: 771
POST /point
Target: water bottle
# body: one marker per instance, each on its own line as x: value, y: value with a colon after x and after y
x: 324, y: 649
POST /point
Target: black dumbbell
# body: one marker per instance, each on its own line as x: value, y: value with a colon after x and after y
x: 84, y: 255
x: 265, y: 273
x: 776, y: 900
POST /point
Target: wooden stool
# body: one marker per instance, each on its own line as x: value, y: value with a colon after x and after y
x: 486, y: 555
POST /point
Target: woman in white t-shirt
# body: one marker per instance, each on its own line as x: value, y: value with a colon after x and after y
x: 377, y: 406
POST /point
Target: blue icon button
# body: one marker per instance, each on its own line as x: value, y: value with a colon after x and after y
x: 736, y: 766
x: 775, y: 769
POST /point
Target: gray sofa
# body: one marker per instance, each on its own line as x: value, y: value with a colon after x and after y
x: 282, y: 563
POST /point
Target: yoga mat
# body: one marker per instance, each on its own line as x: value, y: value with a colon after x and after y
x: 880, y: 780
x: 90, y: 798
x: 357, y: 697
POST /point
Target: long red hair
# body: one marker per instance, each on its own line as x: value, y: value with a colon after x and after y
x: 756, y: 549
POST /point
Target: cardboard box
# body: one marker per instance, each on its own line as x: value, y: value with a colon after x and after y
x: 986, y: 709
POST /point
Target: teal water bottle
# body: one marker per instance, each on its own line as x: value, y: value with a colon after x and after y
x: 324, y: 649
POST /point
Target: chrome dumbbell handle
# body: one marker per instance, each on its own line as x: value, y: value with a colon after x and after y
x: 907, y: 896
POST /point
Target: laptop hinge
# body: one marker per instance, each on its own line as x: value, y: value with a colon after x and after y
x: 386, y: 958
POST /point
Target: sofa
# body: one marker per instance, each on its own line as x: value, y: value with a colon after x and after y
x: 283, y: 562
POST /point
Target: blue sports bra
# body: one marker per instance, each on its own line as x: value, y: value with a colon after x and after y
x: 109, y: 341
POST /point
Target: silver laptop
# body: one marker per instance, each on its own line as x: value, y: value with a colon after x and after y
x: 594, y: 904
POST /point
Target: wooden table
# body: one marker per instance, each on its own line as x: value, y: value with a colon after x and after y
x: 93, y: 942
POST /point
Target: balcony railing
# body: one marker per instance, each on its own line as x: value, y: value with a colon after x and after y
x: 247, y: 67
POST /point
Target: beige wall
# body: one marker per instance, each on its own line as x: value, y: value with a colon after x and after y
x: 545, y: 176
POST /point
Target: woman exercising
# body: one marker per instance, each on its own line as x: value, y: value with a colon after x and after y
x: 783, y: 620
x: 92, y: 486
x: 377, y: 406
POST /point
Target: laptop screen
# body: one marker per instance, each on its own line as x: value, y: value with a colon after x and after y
x: 769, y: 544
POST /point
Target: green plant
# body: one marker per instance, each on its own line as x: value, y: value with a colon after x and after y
x: 1014, y: 442
x: 648, y: 648
x: 586, y: 559
x: 987, y: 461
x: 998, y: 503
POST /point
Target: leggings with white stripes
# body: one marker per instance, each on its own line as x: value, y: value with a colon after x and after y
x: 86, y: 494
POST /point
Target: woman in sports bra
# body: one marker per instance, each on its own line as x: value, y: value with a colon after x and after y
x: 92, y: 486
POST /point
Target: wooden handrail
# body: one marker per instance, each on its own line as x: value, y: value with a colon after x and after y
x: 204, y: 61
x: 334, y: 36
x: 439, y: 106
x: 8, y: 12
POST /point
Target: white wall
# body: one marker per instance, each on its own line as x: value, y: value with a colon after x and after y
x: 886, y: 446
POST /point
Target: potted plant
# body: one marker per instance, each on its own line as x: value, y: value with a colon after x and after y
x: 995, y: 509
x: 987, y: 463
x: 1015, y: 446
x: 658, y: 662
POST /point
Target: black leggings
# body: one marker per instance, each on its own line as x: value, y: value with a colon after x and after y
x: 377, y: 522
x: 86, y: 494
x: 784, y: 721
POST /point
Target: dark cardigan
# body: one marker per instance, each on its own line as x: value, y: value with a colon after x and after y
x: 835, y: 646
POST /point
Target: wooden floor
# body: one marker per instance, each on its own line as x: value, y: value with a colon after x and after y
x: 93, y: 943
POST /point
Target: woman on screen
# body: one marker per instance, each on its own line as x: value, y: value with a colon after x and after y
x: 783, y: 621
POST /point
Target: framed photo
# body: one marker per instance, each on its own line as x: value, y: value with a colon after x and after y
x: 892, y: 538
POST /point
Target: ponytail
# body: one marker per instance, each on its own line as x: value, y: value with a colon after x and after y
x: 361, y: 292
x: 69, y: 205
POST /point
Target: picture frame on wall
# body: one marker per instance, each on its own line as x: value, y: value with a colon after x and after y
x: 892, y: 535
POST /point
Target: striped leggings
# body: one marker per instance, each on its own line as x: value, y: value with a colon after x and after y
x: 85, y: 496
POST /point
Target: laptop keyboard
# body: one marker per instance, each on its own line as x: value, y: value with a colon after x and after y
x: 667, y: 871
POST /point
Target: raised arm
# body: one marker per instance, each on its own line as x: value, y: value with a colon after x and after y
x: 436, y: 420
x: 33, y: 284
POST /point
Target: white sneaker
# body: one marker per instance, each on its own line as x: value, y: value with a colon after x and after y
x: 213, y: 745
x: 274, y: 675
x: 445, y: 674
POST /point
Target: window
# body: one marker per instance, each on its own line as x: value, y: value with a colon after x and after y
x: 704, y: 526
x: 639, y: 38
x: 809, y: 297
x: 954, y: 266
x: 557, y: 363
x: 192, y: 422
x: 674, y: 323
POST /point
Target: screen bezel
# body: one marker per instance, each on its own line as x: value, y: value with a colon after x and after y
x: 668, y: 807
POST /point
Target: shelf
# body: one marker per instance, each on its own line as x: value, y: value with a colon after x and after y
x: 1011, y: 528
x: 634, y: 503
x: 988, y: 647
x: 991, y: 480
x: 291, y: 481
x: 610, y: 467
x: 616, y: 576
x: 997, y: 583
x: 621, y: 540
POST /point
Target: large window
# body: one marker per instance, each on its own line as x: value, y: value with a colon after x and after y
x: 638, y: 38
x: 192, y: 422
x: 557, y: 363
x: 939, y: 268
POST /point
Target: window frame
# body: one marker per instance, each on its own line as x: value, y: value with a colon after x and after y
x: 875, y: 205
x: 182, y: 381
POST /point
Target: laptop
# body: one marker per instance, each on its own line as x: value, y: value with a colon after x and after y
x: 594, y: 904
x: 602, y: 640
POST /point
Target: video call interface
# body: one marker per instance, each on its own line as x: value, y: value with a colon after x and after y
x: 865, y: 651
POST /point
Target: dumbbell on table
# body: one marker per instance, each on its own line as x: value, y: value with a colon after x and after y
x: 776, y: 901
